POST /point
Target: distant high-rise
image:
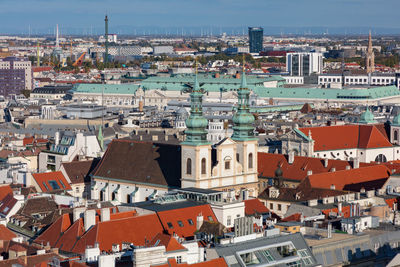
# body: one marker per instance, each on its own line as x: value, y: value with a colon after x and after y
x: 256, y: 39
x: 15, y: 75
x: 304, y: 63
x: 370, y: 60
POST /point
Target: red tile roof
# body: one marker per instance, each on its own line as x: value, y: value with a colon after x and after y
x: 142, y: 230
x: 170, y: 242
x: 368, y: 178
x: 292, y: 218
x: 44, y: 181
x: 5, y: 233
x: 184, y: 215
x: 347, y: 136
x: 52, y: 233
x: 268, y: 163
x: 254, y: 206
x: 4, y: 191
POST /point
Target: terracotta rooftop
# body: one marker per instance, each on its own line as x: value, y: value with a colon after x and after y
x: 5, y: 233
x: 348, y: 136
x: 51, y: 181
x: 268, y: 164
x: 170, y: 242
x: 372, y: 177
x: 254, y: 206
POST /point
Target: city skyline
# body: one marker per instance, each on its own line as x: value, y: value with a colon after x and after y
x: 191, y: 18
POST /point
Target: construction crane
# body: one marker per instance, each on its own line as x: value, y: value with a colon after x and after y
x: 79, y: 61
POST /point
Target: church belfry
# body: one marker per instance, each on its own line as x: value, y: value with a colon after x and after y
x: 370, y: 60
x: 196, y: 150
x: 243, y: 120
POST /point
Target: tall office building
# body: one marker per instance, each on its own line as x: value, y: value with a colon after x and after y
x: 304, y: 64
x: 15, y: 75
x: 256, y: 39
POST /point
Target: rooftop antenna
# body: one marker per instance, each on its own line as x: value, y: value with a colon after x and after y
x: 37, y: 55
x: 57, y: 41
x: 106, y: 44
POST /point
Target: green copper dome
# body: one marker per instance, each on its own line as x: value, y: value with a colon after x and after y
x: 196, y: 124
x: 367, y: 117
x: 243, y: 120
x: 396, y: 120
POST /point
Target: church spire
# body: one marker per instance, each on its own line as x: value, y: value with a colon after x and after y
x: 243, y: 120
x: 196, y: 124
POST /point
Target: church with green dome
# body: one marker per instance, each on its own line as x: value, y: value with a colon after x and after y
x: 229, y: 165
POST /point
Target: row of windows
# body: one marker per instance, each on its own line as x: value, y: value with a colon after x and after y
x: 204, y: 164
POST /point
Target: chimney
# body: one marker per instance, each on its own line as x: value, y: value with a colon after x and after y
x: 326, y: 162
x: 77, y: 213
x: 105, y: 214
x: 333, y: 187
x: 333, y: 169
x: 57, y: 138
x: 199, y: 221
x: 356, y: 163
x: 141, y: 105
x: 89, y: 219
x: 291, y: 157
x: 347, y: 167
x: 309, y: 172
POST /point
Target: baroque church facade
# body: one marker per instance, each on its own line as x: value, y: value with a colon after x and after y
x: 229, y: 165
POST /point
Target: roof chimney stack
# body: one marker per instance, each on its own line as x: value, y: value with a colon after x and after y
x: 291, y: 157
x: 326, y: 162
x: 89, y: 219
x: 105, y: 214
x: 356, y: 163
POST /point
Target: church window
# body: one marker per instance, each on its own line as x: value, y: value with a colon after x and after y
x: 251, y: 161
x: 396, y: 135
x: 237, y: 157
x: 189, y: 166
x: 381, y: 158
x: 227, y: 164
x: 113, y: 196
x: 203, y: 166
x: 128, y: 198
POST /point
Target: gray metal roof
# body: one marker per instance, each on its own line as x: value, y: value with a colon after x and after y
x: 232, y: 252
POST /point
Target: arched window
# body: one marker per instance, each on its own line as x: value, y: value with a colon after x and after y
x: 396, y: 136
x: 189, y: 166
x: 128, y: 198
x: 203, y: 166
x: 251, y: 161
x: 113, y: 196
x: 381, y: 158
x: 101, y: 196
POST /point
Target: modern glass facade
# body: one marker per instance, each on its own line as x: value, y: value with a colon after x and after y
x: 256, y: 39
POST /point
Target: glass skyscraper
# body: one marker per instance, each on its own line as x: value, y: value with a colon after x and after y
x: 256, y: 39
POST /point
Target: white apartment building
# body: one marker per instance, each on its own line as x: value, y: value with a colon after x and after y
x: 304, y: 64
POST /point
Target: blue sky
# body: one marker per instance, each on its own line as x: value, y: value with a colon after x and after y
x: 17, y: 15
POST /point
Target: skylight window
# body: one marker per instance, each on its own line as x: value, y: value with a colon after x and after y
x: 190, y: 221
x: 54, y: 185
x: 170, y: 226
x: 180, y: 223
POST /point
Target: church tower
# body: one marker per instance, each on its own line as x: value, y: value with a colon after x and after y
x: 196, y: 151
x: 243, y: 134
x: 370, y: 60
